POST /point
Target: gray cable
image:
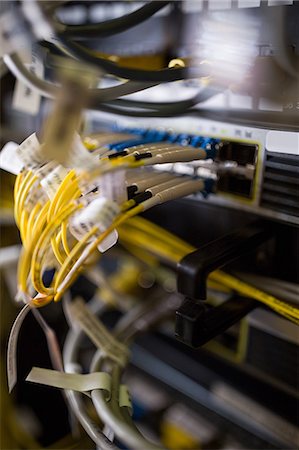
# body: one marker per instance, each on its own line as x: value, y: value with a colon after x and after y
x: 121, y: 428
x: 70, y: 351
x: 50, y: 90
x: 110, y: 413
x: 126, y: 329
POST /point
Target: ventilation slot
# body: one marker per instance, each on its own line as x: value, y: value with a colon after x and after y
x: 281, y: 183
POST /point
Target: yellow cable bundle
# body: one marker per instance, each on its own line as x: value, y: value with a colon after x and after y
x: 158, y: 241
x: 49, y: 224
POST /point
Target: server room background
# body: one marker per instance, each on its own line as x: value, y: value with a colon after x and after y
x: 149, y: 224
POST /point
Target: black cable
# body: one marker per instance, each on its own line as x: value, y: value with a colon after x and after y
x: 113, y: 26
x: 156, y: 109
x: 82, y: 53
x: 258, y: 119
x: 173, y: 107
x: 134, y: 113
x: 163, y: 75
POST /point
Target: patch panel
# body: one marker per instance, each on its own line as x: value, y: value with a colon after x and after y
x: 236, y: 174
x: 249, y: 182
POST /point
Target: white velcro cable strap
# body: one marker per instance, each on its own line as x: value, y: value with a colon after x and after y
x: 9, y: 158
x: 98, y: 333
x: 74, y: 381
x: 31, y: 152
x: 99, y: 212
x: 125, y: 398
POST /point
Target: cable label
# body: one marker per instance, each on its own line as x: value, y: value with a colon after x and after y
x: 30, y: 152
x: 73, y: 381
x: 100, y: 212
x: 52, y: 181
x: 98, y: 333
x: 113, y: 186
x: 79, y: 157
x: 25, y: 99
x: 35, y: 195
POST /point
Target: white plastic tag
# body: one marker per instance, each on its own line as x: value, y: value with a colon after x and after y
x: 42, y: 171
x: 101, y: 213
x: 73, y: 381
x: 53, y: 180
x: 79, y: 157
x: 9, y: 158
x: 108, y: 242
x: 113, y: 186
x: 25, y: 99
x: 30, y: 152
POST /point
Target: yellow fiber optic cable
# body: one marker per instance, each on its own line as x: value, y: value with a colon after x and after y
x: 165, y: 252
x: 21, y: 181
x: 40, y: 220
x: 72, y: 256
x: 90, y: 249
x: 251, y: 291
x: 24, y: 225
x: 41, y: 245
x: 32, y: 218
x: 25, y: 257
x: 56, y: 250
x: 18, y: 180
x: 24, y: 190
x: 67, y: 179
x: 64, y: 237
x: 70, y: 193
x: 159, y: 248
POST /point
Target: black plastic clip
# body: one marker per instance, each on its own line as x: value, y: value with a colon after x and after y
x: 197, y: 323
x: 194, y: 268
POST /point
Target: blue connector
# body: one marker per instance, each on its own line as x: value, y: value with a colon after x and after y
x: 156, y: 136
x: 172, y: 138
x: 151, y: 136
x: 119, y: 146
x: 184, y: 139
x: 196, y: 141
x: 146, y: 137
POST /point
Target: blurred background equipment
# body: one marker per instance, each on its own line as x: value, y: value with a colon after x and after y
x: 149, y: 224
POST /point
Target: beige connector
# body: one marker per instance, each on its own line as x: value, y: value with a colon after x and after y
x: 172, y: 182
x: 187, y: 188
x: 182, y: 154
x: 153, y: 180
